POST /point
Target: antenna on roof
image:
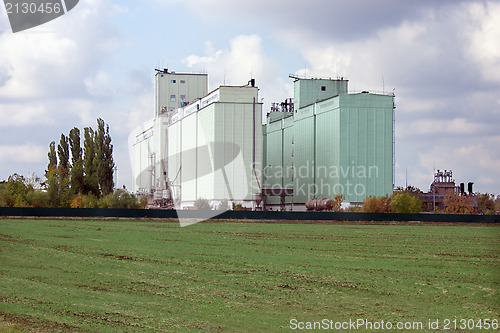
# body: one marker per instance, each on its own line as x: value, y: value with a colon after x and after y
x: 406, y: 182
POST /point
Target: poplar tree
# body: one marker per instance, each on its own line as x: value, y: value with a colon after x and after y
x: 76, y: 173
x: 103, y: 158
x: 91, y: 180
x: 63, y: 153
x: 88, y: 173
x: 52, y: 156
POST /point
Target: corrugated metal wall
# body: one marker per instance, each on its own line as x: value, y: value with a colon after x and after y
x: 273, y: 174
x: 305, y: 152
x: 189, y: 139
x: 341, y: 145
x: 207, y: 169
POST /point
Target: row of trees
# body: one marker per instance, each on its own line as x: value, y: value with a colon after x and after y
x: 408, y: 201
x: 76, y: 176
x: 19, y: 191
x: 88, y: 170
x: 73, y: 170
x: 401, y: 201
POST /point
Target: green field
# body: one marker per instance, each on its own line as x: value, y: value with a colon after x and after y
x: 148, y: 276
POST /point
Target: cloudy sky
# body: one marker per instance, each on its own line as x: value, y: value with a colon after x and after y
x: 441, y: 57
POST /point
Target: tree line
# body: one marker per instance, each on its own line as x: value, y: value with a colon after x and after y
x: 77, y: 176
x: 407, y: 200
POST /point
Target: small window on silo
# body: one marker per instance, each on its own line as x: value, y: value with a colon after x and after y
x: 323, y: 88
x: 172, y: 98
x: 183, y: 81
x: 173, y: 81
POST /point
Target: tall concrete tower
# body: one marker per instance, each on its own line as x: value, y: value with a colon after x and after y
x: 175, y: 90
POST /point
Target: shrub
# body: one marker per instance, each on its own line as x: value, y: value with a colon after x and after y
x: 337, y: 202
x: 224, y: 205
x: 237, y: 206
x: 37, y: 198
x: 376, y: 204
x: 406, y: 203
x: 120, y: 199
x: 15, y: 190
x: 76, y: 202
x: 353, y: 209
x: 89, y: 201
x: 144, y: 202
x: 202, y: 204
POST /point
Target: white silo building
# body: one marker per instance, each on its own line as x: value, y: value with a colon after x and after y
x: 199, y: 145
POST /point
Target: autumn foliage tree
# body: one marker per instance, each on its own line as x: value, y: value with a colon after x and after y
x: 337, y: 202
x: 374, y: 204
x: 459, y: 204
x: 485, y: 203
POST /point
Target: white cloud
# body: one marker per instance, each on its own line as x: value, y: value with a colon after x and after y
x: 31, y: 61
x: 321, y: 20
x: 54, y: 60
x: 483, y: 32
x: 27, y: 153
x: 459, y: 126
x: 245, y: 59
x: 100, y: 85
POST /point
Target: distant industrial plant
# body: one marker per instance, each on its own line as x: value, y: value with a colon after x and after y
x: 443, y: 186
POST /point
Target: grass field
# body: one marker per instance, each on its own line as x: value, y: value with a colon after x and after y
x: 126, y: 276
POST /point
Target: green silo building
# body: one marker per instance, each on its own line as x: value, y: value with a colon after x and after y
x: 328, y: 141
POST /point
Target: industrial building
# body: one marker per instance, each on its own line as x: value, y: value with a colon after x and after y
x: 443, y: 186
x: 321, y: 142
x: 198, y: 145
x: 327, y: 141
x: 175, y: 90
